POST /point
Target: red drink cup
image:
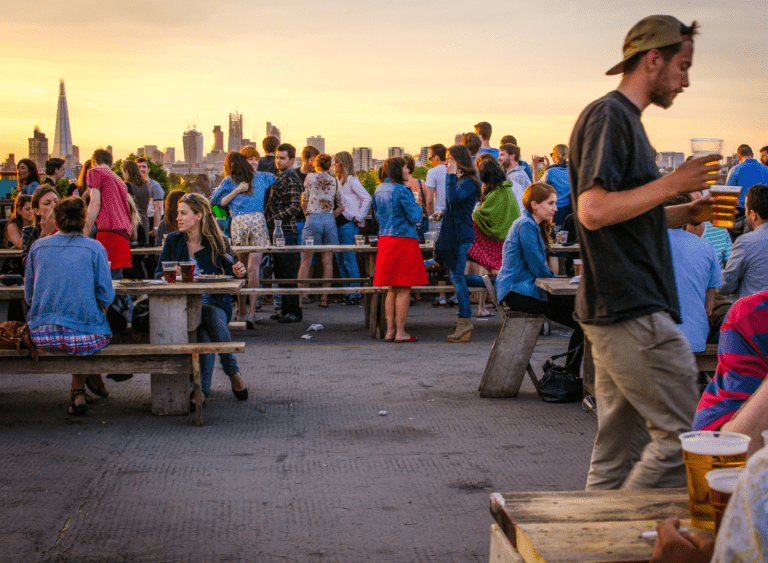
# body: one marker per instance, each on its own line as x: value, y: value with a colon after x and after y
x: 187, y: 271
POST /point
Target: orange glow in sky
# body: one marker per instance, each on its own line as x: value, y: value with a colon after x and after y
x: 364, y: 73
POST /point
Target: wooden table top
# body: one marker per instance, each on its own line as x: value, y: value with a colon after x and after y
x: 586, y: 527
x: 557, y: 286
x: 170, y: 289
x: 560, y: 248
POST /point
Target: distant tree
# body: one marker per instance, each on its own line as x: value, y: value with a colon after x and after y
x: 175, y: 180
x: 420, y: 172
x: 156, y: 171
x: 369, y: 179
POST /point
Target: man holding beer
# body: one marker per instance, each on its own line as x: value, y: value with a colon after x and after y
x: 645, y: 372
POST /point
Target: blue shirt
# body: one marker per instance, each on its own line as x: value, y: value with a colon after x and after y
x: 244, y: 203
x: 696, y: 270
x: 557, y: 177
x: 494, y: 152
x: 457, y: 228
x: 30, y: 189
x: 527, y: 168
x: 523, y: 260
x: 396, y: 210
x: 746, y: 174
x: 67, y: 280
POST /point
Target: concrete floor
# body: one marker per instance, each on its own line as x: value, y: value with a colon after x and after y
x: 306, y: 470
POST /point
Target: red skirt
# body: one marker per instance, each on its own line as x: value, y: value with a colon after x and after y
x: 399, y: 263
x: 485, y: 251
x: 118, y: 248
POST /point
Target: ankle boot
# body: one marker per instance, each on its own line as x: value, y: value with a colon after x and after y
x: 463, y: 331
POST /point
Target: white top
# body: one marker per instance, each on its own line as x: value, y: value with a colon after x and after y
x: 436, y: 180
x: 520, y: 181
x: 355, y: 199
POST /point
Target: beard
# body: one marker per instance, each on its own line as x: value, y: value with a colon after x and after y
x: 661, y: 94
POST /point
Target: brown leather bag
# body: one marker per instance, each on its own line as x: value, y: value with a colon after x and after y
x: 15, y: 334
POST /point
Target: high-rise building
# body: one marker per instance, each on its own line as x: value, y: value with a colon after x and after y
x: 395, y: 151
x: 10, y: 163
x: 193, y: 146
x: 424, y: 155
x: 669, y: 160
x: 218, y: 138
x: 269, y: 128
x: 170, y: 155
x: 270, y: 131
x: 363, y: 158
x: 62, y: 139
x: 247, y: 143
x: 156, y: 156
x: 38, y: 148
x: 235, y: 132
x: 318, y: 142
x: 76, y: 152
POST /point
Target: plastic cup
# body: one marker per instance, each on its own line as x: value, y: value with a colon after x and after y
x: 359, y: 240
x: 279, y: 242
x: 562, y: 237
x: 187, y: 271
x: 309, y: 241
x: 704, y: 451
x: 722, y: 483
x: 169, y: 271
x: 578, y: 267
x: 704, y: 147
x: 724, y: 206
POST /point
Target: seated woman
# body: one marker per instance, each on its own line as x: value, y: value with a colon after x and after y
x: 168, y: 224
x: 67, y: 285
x: 43, y: 201
x: 524, y: 260
x: 22, y: 217
x: 200, y: 240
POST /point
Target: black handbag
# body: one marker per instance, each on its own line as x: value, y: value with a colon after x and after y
x: 560, y: 384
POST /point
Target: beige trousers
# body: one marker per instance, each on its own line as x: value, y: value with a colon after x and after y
x: 645, y: 386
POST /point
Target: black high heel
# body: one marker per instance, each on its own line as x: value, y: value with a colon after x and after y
x: 241, y: 395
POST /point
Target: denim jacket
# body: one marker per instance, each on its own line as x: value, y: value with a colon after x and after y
x: 523, y: 260
x: 396, y: 210
x: 242, y: 203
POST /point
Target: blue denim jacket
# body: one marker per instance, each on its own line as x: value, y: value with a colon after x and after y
x: 30, y: 189
x: 67, y: 280
x: 523, y: 260
x: 243, y: 203
x: 396, y: 210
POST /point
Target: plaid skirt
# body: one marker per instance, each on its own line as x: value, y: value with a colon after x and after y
x: 55, y: 337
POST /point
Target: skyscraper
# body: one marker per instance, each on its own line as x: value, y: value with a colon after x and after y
x: 395, y: 151
x: 62, y: 139
x: 193, y: 146
x: 363, y: 158
x: 38, y: 148
x: 235, y: 132
x: 318, y: 142
x: 218, y: 138
x: 424, y: 155
x: 170, y: 155
x: 276, y: 131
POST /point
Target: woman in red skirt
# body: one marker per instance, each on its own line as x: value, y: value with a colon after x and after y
x: 399, y: 264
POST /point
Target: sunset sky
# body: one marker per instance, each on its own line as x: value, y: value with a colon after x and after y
x: 364, y: 72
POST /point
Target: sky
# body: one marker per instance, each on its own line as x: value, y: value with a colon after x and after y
x: 364, y: 72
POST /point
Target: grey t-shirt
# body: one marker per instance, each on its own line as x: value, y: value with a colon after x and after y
x: 156, y: 194
x: 628, y: 266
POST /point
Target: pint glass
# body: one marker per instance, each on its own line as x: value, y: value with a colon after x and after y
x: 724, y: 206
x: 704, y: 451
x: 704, y: 147
x: 722, y: 483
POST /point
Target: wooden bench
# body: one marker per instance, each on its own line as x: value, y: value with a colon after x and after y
x: 707, y: 360
x: 156, y: 359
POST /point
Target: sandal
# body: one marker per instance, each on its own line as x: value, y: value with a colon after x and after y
x: 323, y: 303
x: 95, y: 384
x: 76, y: 410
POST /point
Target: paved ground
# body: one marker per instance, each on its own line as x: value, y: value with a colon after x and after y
x: 306, y: 470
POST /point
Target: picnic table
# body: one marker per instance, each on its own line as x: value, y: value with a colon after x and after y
x: 580, y: 526
x: 557, y: 247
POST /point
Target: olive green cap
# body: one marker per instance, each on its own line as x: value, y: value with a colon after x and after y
x: 653, y: 32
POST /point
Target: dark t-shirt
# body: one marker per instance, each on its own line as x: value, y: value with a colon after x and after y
x: 628, y: 266
x: 267, y: 164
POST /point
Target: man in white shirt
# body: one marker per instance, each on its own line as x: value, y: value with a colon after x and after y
x: 156, y: 195
x: 436, y: 181
x: 509, y: 158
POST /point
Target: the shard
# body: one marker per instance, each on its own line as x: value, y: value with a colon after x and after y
x: 62, y: 140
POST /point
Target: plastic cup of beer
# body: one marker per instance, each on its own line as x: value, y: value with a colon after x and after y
x: 704, y: 147
x: 187, y: 271
x: 169, y: 271
x: 704, y: 451
x: 359, y: 240
x: 578, y: 267
x: 724, y: 206
x: 722, y: 483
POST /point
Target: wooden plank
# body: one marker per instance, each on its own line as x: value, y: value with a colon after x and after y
x: 510, y: 355
x: 707, y: 360
x: 557, y: 286
x: 97, y: 364
x: 133, y: 350
x: 502, y: 550
x: 194, y: 312
x: 343, y: 290
x: 168, y: 325
x: 560, y: 248
x: 314, y: 280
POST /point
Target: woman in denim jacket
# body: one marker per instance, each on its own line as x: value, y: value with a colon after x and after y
x: 524, y: 260
x: 399, y: 265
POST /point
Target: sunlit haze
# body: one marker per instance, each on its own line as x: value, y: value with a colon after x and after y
x: 363, y: 73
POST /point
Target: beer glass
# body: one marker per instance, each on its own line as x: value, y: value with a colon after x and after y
x: 704, y: 451
x: 169, y: 271
x: 187, y: 271
x: 724, y: 206
x: 722, y: 483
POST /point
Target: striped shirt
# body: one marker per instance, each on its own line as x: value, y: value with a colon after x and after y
x: 742, y: 362
x: 720, y: 239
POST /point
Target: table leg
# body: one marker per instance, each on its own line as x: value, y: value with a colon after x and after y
x: 168, y: 324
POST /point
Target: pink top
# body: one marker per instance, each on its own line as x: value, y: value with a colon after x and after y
x: 115, y: 215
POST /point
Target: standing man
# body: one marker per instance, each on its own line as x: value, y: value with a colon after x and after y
x: 511, y: 140
x: 509, y: 158
x: 747, y: 172
x: 285, y: 204
x: 156, y: 198
x: 484, y: 129
x: 308, y: 155
x: 436, y: 182
x: 267, y: 162
x: 645, y: 372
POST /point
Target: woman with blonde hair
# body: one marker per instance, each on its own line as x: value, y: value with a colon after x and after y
x: 524, y: 260
x: 138, y: 187
x: 350, y: 216
x: 200, y: 240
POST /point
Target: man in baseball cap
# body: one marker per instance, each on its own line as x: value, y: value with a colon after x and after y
x: 627, y: 302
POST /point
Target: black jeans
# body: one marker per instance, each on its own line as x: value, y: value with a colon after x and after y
x: 559, y: 308
x: 285, y: 268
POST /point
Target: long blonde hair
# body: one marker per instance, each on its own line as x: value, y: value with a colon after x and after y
x: 208, y: 227
x: 347, y: 163
x: 135, y: 218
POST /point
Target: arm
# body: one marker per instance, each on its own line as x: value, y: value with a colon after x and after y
x: 457, y: 191
x: 709, y: 300
x: 364, y: 197
x: 226, y: 192
x: 29, y: 281
x: 105, y: 292
x: 14, y: 236
x: 536, y: 260
x: 158, y: 208
x: 93, y: 212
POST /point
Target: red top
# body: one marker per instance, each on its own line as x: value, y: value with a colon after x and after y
x: 115, y: 215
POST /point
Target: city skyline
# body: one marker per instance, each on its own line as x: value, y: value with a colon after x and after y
x: 533, y: 89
